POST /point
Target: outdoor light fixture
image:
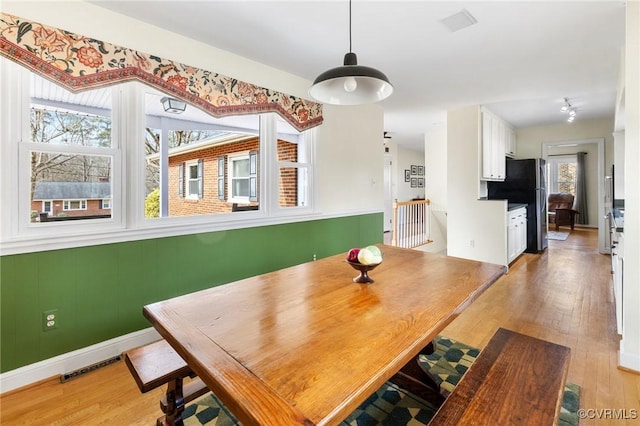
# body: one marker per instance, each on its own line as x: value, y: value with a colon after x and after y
x: 172, y: 105
x: 568, y: 109
x: 351, y: 84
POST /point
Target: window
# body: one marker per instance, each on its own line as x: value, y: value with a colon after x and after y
x: 66, y: 162
x: 194, y: 180
x: 193, y: 163
x: 293, y: 162
x: 74, y: 205
x: 69, y: 151
x: 238, y: 175
x: 562, y: 174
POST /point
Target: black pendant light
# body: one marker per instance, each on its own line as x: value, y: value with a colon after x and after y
x: 351, y: 84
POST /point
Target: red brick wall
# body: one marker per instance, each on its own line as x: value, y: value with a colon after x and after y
x: 209, y: 203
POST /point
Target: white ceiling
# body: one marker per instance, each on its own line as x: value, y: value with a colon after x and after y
x: 520, y: 59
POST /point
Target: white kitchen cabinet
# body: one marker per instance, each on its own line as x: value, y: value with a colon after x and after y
x: 494, y: 146
x: 511, y: 142
x: 617, y: 269
x: 516, y: 232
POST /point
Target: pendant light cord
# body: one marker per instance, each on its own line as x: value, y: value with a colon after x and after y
x: 349, y: 26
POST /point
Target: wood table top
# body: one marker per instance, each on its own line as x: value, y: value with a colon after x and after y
x: 307, y: 345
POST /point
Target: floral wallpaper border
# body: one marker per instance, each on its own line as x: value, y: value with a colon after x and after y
x: 80, y: 63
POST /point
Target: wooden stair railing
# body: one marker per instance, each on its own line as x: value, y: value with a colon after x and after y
x: 411, y: 223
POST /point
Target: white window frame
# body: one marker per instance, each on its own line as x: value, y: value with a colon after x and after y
x: 187, y: 180
x: 553, y: 169
x: 16, y: 171
x: 236, y: 156
x: 304, y: 167
x: 66, y: 205
x: 106, y: 204
x: 127, y: 222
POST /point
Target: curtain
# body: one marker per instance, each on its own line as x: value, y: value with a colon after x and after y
x: 81, y: 63
x: 580, y: 201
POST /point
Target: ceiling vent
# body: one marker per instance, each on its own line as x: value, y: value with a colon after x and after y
x: 460, y: 20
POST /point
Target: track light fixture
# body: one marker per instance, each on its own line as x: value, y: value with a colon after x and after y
x: 351, y: 84
x: 567, y: 108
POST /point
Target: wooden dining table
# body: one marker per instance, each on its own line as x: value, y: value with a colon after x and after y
x: 305, y: 344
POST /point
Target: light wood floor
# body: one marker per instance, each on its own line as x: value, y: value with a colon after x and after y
x: 563, y: 296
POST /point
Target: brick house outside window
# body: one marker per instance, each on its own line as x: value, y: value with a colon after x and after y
x: 71, y: 199
x: 210, y: 157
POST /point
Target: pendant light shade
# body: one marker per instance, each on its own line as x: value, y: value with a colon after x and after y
x: 351, y: 84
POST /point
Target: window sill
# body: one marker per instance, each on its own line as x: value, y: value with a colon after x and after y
x: 148, y: 229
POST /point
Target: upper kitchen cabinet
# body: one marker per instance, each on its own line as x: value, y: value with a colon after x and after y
x: 498, y: 141
x: 511, y: 142
x: 618, y: 161
x: 619, y: 136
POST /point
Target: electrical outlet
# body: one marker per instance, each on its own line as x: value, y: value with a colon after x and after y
x: 50, y: 320
x: 472, y: 243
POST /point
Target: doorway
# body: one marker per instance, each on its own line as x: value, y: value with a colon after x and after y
x: 597, y: 179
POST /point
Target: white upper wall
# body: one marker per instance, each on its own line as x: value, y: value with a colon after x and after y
x: 530, y: 140
x: 405, y: 159
x: 476, y: 229
x: 349, y: 154
x: 350, y: 159
x: 435, y: 148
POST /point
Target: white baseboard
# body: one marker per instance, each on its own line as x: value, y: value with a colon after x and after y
x: 627, y: 360
x: 75, y: 360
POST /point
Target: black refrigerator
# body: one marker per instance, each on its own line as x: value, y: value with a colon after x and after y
x: 526, y: 184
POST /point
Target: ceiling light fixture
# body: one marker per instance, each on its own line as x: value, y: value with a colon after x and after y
x: 351, y: 84
x: 172, y: 105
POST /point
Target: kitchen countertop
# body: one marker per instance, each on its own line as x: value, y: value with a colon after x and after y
x: 515, y: 206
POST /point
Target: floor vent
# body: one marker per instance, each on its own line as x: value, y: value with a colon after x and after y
x: 77, y: 373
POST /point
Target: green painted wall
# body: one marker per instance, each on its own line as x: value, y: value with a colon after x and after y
x: 99, y: 291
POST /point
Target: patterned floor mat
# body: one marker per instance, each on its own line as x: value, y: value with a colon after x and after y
x: 391, y: 405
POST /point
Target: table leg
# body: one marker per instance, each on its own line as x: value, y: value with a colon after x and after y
x: 175, y: 405
x: 414, y: 379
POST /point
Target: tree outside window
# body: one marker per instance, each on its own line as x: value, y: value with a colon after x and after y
x: 67, y: 140
x: 562, y: 174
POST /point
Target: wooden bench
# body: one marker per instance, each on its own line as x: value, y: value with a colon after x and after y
x: 516, y: 379
x: 157, y: 364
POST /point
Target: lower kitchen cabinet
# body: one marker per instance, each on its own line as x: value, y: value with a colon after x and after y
x: 617, y: 269
x: 516, y: 232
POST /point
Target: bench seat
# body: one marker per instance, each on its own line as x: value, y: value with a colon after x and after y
x: 157, y: 364
x: 516, y: 379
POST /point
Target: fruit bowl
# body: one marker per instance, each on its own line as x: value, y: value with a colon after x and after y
x: 364, y: 277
